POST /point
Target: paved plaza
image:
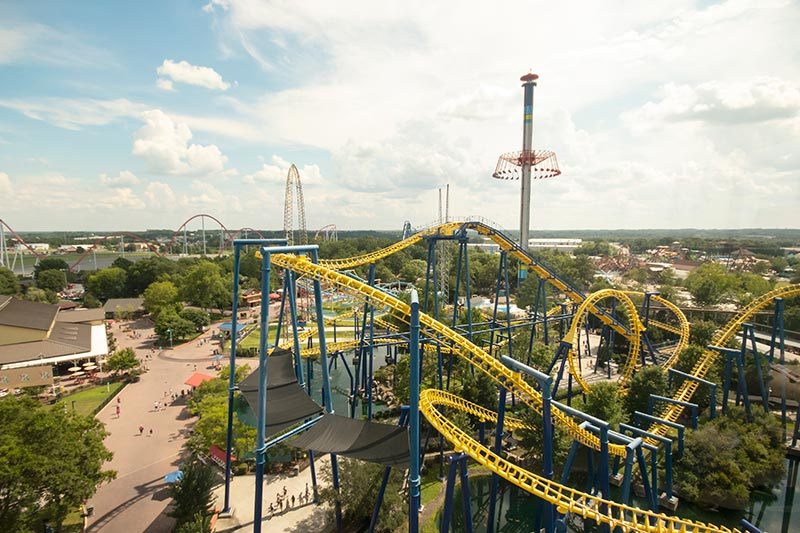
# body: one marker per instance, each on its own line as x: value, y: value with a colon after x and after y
x: 138, y: 499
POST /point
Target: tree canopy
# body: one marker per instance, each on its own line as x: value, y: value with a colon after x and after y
x: 192, y: 494
x: 53, y: 280
x: 108, y: 283
x: 52, y: 462
x: 160, y: 296
x: 122, y: 360
x: 8, y: 282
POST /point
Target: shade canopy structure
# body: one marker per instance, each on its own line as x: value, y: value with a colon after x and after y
x: 197, y: 378
x: 288, y: 405
x: 357, y: 439
x: 228, y: 326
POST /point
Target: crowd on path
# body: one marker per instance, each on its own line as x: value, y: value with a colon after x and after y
x: 283, y: 502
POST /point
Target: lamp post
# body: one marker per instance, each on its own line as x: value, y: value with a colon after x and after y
x: 169, y: 332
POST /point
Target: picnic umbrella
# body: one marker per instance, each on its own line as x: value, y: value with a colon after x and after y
x: 173, y: 477
x: 89, y: 367
x: 75, y: 369
x: 90, y: 363
x: 78, y: 373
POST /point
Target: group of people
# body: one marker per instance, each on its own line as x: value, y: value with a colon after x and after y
x: 283, y: 502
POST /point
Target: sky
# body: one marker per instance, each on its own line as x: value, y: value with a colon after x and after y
x: 137, y: 115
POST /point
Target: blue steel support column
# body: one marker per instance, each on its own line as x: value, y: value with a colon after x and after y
x: 778, y: 333
x: 546, y: 383
x: 281, y: 312
x: 262, y: 391
x: 403, y: 421
x: 749, y: 330
x: 466, y: 499
x: 371, y: 340
x: 413, y: 414
x: 447, y: 514
x: 298, y: 365
x: 326, y: 380
x: 232, y: 378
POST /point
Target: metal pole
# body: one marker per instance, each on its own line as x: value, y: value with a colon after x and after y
x: 298, y: 365
x: 262, y: 391
x: 527, y: 146
x: 413, y: 412
x: 326, y: 381
x: 226, y: 508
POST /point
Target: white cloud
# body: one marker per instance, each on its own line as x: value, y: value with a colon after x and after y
x: 164, y: 145
x: 185, y: 72
x: 74, y: 113
x: 160, y: 195
x: 5, y: 185
x: 123, y: 198
x: 125, y: 178
x: 275, y: 173
x: 24, y: 42
x: 753, y: 101
x: 165, y: 85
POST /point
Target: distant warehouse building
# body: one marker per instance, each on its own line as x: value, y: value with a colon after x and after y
x: 563, y: 245
x: 34, y: 334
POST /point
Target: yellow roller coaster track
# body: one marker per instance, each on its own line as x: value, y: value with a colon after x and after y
x: 565, y: 498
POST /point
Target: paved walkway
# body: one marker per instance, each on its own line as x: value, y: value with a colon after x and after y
x: 137, y: 499
x: 302, y: 517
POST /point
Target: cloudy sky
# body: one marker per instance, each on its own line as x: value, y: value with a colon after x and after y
x: 135, y: 115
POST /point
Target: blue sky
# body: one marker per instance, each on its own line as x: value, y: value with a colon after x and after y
x: 139, y: 115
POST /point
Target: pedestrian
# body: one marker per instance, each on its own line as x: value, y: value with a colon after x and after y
x: 306, y: 491
x: 292, y: 500
x: 117, y: 411
x: 141, y: 430
x: 155, y: 405
x: 284, y: 491
x: 151, y: 432
x: 118, y: 399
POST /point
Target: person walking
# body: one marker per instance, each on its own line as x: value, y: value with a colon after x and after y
x: 117, y: 411
x: 141, y: 430
x: 292, y: 500
x: 151, y: 432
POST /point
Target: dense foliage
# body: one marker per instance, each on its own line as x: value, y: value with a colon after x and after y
x: 192, y: 495
x: 726, y: 458
x: 51, y: 461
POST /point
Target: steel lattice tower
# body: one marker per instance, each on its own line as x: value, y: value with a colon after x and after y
x: 293, y: 186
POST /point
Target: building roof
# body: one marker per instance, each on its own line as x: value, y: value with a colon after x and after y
x: 25, y: 314
x: 197, y: 378
x: 81, y: 315
x: 123, y: 304
x: 65, y: 339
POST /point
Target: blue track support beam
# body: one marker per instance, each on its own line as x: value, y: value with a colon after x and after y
x: 371, y: 343
x: 385, y: 479
x: 545, y: 383
x: 630, y: 453
x: 712, y: 409
x: 281, y: 310
x: 734, y: 357
x: 326, y: 379
x: 298, y: 364
x: 639, y: 416
x: 262, y: 393
x: 447, y: 515
x: 749, y: 333
x: 226, y: 508
x: 466, y: 499
x: 413, y: 415
x: 779, y: 335
x: 498, y: 449
x: 237, y: 250
x: 750, y: 528
x: 656, y: 398
x: 667, y: 447
x: 602, y: 470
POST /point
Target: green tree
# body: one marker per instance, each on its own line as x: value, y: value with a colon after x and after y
x: 199, y: 318
x: 709, y: 284
x: 90, y: 301
x: 603, y: 401
x: 359, y: 481
x: 121, y: 262
x: 8, y: 282
x: 49, y: 263
x: 160, y: 296
x: 34, y: 294
x: 52, y: 462
x: 170, y: 321
x: 53, y: 280
x: 200, y: 523
x: 701, y: 332
x: 143, y: 273
x: 204, y: 286
x: 479, y: 389
x: 192, y: 494
x: 122, y: 361
x: 726, y: 458
x: 108, y: 283
x: 649, y: 380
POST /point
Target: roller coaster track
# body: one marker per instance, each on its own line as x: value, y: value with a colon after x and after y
x: 566, y: 499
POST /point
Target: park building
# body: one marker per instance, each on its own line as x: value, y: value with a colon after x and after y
x: 562, y: 245
x: 38, y: 341
x: 32, y: 247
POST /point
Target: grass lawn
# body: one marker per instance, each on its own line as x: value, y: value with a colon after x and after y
x: 252, y: 339
x: 88, y: 400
